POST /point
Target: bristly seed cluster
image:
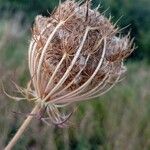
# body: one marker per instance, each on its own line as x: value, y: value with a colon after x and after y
x: 74, y: 55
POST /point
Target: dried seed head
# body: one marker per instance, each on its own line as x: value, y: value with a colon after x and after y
x: 75, y: 54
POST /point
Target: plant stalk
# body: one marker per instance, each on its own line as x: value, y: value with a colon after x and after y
x: 21, y: 130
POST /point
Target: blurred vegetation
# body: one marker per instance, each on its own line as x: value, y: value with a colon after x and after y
x: 118, y: 120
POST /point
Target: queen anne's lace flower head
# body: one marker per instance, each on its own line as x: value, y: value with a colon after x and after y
x: 74, y: 55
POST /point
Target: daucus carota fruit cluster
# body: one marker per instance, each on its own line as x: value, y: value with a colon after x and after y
x: 74, y: 55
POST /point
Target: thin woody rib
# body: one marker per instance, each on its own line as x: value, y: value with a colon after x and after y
x: 62, y: 80
x: 95, y: 48
x: 78, y: 74
x: 34, y: 61
x: 86, y: 94
x: 53, y: 75
x: 61, y: 23
x: 82, y: 87
x: 32, y: 51
x: 43, y: 53
x: 105, y: 91
x: 29, y: 51
x: 80, y: 98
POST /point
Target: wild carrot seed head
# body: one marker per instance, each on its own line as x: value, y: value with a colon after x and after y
x: 75, y: 54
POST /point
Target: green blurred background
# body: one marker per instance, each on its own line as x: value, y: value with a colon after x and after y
x: 118, y: 120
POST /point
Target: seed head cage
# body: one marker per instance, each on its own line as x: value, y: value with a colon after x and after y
x: 75, y: 54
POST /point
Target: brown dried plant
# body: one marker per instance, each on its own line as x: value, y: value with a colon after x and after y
x: 74, y: 55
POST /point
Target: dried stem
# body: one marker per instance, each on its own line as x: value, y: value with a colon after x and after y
x: 22, y: 129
